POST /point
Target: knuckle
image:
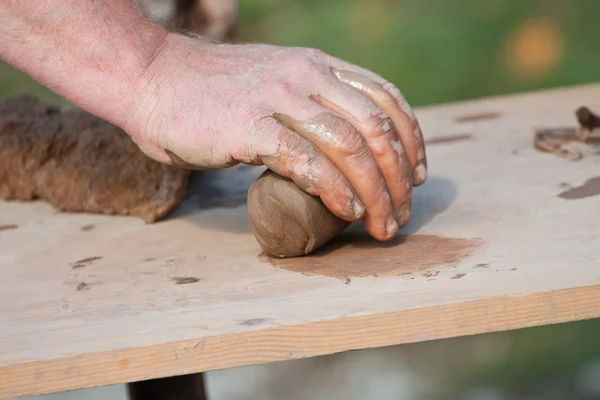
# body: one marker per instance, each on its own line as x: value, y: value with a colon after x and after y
x: 393, y: 90
x: 349, y: 140
x: 315, y: 54
x: 352, y: 143
x: 305, y: 60
x: 280, y: 88
x: 380, y: 125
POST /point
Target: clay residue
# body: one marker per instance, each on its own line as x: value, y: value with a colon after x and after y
x: 430, y: 274
x: 358, y: 255
x: 84, y: 262
x: 286, y: 221
x: 87, y: 228
x: 458, y: 276
x: 254, y: 321
x: 185, y: 280
x: 80, y: 163
x: 590, y: 188
x: 8, y: 227
x: 558, y: 142
x: 449, y: 139
x: 482, y: 116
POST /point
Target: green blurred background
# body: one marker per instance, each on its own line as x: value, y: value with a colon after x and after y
x: 434, y: 50
x: 443, y: 50
x: 440, y: 51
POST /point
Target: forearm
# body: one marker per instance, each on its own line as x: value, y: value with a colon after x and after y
x: 93, y: 53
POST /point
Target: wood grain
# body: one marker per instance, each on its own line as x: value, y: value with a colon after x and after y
x: 191, y: 293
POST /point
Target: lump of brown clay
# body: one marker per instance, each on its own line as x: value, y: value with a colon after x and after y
x: 286, y: 221
x: 80, y: 163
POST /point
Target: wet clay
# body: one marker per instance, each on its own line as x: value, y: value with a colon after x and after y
x: 483, y: 116
x: 359, y: 255
x: 185, y: 280
x: 286, y: 221
x: 557, y: 140
x: 590, y: 188
x: 80, y: 163
x: 84, y: 262
x: 449, y: 139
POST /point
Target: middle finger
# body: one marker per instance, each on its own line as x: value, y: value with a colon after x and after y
x: 347, y: 149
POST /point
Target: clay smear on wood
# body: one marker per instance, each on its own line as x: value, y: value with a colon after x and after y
x: 357, y: 255
x: 80, y: 163
x: 557, y: 140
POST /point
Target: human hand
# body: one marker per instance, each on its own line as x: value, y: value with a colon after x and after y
x: 338, y: 131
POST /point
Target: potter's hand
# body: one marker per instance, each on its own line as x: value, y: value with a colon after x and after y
x: 340, y: 132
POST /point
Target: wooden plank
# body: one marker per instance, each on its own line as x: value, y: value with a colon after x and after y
x: 492, y: 247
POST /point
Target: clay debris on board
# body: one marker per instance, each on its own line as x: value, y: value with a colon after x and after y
x: 557, y: 140
x: 80, y: 163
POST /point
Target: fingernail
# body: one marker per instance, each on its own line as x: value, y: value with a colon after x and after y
x: 403, y: 213
x: 391, y: 227
x: 358, y: 207
x: 419, y: 174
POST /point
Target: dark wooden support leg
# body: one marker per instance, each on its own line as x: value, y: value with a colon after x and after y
x: 185, y: 387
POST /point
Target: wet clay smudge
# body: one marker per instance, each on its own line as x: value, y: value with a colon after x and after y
x: 449, y: 139
x: 458, y: 276
x: 481, y: 266
x: 483, y: 116
x: 185, y: 280
x: 557, y: 140
x: 82, y: 286
x: 87, y: 228
x: 254, y: 321
x: 84, y: 262
x: 359, y: 255
x: 431, y: 274
x: 590, y: 188
x: 8, y: 227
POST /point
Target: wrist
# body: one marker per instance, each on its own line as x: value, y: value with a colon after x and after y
x: 162, y: 75
x: 89, y: 52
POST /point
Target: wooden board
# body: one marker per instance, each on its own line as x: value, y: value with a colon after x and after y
x: 191, y: 293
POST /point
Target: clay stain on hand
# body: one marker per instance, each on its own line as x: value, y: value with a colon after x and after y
x: 458, y: 276
x: 590, y: 188
x: 8, y: 227
x: 87, y: 228
x: 354, y: 254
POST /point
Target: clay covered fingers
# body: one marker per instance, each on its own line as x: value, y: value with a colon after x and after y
x: 339, y: 132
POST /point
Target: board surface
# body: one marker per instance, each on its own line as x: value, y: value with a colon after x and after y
x: 502, y: 237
